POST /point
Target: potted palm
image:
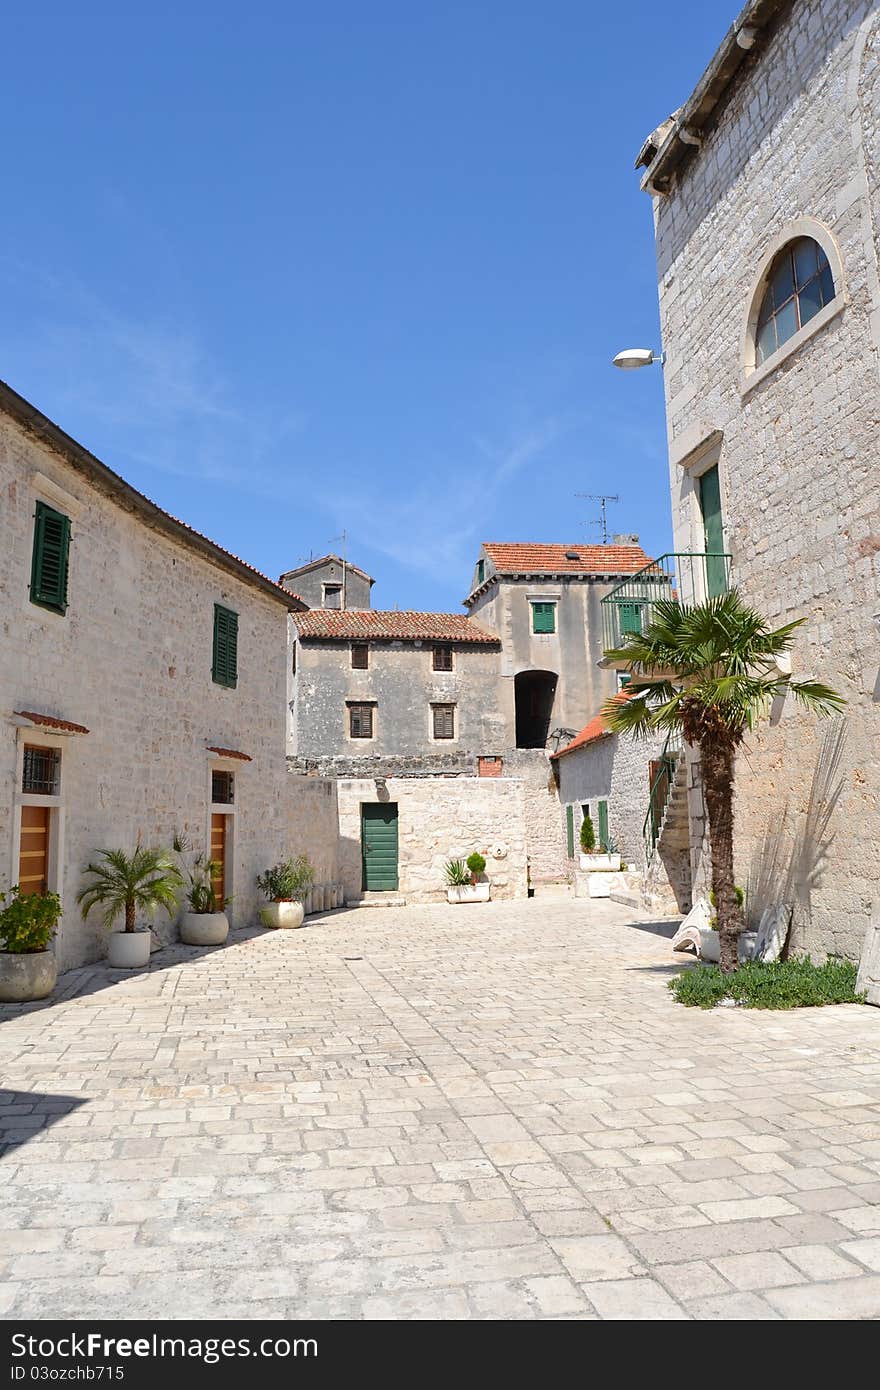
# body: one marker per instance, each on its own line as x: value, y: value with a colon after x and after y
x: 463, y: 880
x: 126, y: 884
x: 28, y: 968
x: 204, y: 923
x: 590, y: 856
x: 285, y: 885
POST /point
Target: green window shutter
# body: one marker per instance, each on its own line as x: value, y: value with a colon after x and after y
x: 225, y: 667
x: 543, y: 617
x: 630, y: 617
x: 603, y: 825
x: 481, y: 571
x: 50, y: 558
x: 569, y: 830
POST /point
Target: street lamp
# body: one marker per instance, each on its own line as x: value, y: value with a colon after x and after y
x: 631, y: 358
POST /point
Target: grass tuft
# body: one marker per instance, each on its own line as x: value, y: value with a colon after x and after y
x: 788, y: 984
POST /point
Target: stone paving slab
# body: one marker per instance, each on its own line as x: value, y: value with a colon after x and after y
x: 434, y: 1113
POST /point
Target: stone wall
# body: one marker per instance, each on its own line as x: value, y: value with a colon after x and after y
x: 796, y: 146
x: 546, y: 852
x: 439, y: 819
x: 131, y: 661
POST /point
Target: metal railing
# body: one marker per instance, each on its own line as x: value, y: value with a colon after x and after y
x: 690, y: 576
x: 661, y: 791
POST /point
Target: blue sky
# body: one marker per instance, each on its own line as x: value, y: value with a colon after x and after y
x: 292, y: 268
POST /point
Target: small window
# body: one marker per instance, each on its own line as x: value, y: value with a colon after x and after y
x: 585, y: 810
x: 360, y: 656
x: 572, y: 555
x: 49, y: 563
x: 293, y: 658
x: 42, y: 770
x: 360, y: 721
x: 225, y: 666
x: 623, y: 679
x: 332, y: 595
x: 800, y: 283
x: 481, y: 571
x: 222, y: 788
x: 442, y: 659
x: 444, y: 721
x: 543, y: 617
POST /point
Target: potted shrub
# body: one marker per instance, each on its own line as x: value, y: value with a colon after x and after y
x: 590, y: 856
x: 125, y: 884
x: 710, y: 942
x: 204, y: 923
x: 462, y: 885
x: 285, y: 885
x: 28, y: 968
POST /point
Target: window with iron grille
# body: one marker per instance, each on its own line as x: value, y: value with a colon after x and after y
x: 543, y: 617
x: 42, y: 769
x: 360, y: 656
x: 360, y: 721
x: 222, y: 788
x: 442, y: 658
x: 444, y: 721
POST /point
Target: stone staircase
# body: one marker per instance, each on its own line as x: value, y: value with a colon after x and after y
x: 651, y: 890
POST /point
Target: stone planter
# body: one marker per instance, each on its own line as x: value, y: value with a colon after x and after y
x: 129, y: 950
x: 282, y: 914
x: 602, y: 885
x: 204, y: 928
x: 469, y: 893
x: 26, y: 976
x: 603, y: 863
x: 710, y: 946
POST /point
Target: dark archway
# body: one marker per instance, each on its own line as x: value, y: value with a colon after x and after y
x: 534, y: 692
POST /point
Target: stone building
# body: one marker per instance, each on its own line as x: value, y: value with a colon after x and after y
x: 330, y: 582
x: 766, y: 195
x: 544, y: 602
x: 142, y: 679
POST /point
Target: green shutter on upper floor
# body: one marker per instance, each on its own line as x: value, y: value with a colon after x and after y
x: 543, y: 617
x: 225, y: 663
x: 50, y: 560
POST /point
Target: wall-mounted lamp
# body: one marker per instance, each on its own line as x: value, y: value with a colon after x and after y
x: 631, y: 358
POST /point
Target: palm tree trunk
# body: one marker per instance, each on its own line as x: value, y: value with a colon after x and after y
x: 129, y: 916
x: 716, y: 758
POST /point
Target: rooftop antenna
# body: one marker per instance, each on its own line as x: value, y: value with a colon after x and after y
x: 603, y: 499
x: 344, y: 539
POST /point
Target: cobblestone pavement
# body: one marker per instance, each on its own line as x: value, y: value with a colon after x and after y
x: 490, y: 1112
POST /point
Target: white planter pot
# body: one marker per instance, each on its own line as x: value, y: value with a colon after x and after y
x: 129, y: 950
x: 287, y: 914
x: 204, y: 928
x: 603, y: 863
x: 469, y: 893
x: 710, y: 946
x: 602, y: 885
x: 27, y: 976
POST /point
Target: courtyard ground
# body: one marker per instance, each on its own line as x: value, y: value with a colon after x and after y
x: 489, y: 1112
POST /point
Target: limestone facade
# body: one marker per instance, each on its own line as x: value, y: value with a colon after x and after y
x: 789, y: 148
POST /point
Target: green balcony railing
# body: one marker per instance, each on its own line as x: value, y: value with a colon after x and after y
x: 689, y: 576
x: 662, y: 777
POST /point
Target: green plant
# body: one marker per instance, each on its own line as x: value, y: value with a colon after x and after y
x: 456, y: 873
x: 288, y: 881
x: 785, y: 984
x: 28, y: 920
x: 477, y: 865
x: 588, y: 836
x: 709, y: 672
x: 198, y: 876
x: 120, y: 883
x: 740, y: 898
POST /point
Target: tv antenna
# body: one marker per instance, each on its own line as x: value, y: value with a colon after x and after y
x: 603, y: 498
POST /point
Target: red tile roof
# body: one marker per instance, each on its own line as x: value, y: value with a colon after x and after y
x: 528, y: 557
x: 360, y: 624
x: 590, y: 733
x: 48, y: 721
x: 230, y: 753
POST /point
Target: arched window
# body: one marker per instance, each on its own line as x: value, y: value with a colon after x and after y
x: 799, y: 284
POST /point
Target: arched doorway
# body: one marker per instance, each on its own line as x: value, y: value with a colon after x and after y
x: 534, y: 692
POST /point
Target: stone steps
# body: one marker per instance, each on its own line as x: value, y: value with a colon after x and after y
x: 377, y: 900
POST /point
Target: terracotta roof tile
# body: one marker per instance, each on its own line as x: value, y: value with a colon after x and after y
x: 48, y: 721
x: 528, y: 557
x: 590, y: 733
x: 230, y: 753
x: 370, y: 623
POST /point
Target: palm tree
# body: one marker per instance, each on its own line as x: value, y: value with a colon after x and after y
x: 146, y: 880
x: 709, y: 670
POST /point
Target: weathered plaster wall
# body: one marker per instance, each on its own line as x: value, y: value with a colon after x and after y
x: 310, y: 585
x: 799, y: 449
x: 401, y: 681
x: 131, y: 660
x: 440, y: 818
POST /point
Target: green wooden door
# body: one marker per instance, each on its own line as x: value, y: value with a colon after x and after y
x: 603, y: 825
x: 379, y: 847
x: 713, y: 532
x: 569, y: 830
